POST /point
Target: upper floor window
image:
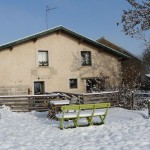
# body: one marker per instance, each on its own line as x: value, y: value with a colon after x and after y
x: 43, y: 58
x: 86, y: 58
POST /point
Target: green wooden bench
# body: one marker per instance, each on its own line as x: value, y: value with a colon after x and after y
x: 88, y: 111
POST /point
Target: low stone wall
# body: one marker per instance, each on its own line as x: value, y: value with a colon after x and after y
x: 14, y: 90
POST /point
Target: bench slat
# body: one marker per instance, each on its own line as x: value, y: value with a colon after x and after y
x: 67, y: 115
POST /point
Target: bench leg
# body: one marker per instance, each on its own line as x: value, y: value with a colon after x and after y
x: 61, y: 123
x: 89, y: 119
x: 75, y: 121
x: 102, y: 119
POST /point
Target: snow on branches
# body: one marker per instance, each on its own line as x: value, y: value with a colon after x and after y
x: 137, y: 18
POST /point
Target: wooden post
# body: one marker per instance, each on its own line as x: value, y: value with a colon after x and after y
x: 29, y: 99
x: 132, y: 101
x: 149, y: 108
x: 119, y: 98
x: 83, y: 98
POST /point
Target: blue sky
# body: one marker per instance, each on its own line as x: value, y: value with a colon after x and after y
x: 91, y: 18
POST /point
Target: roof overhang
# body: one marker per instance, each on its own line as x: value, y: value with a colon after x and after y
x: 62, y: 29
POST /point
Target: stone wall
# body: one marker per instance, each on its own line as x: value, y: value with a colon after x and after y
x: 14, y: 90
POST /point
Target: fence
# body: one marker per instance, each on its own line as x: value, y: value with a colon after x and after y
x: 109, y: 96
x: 36, y: 102
x: 141, y: 100
x: 125, y: 99
x: 27, y: 102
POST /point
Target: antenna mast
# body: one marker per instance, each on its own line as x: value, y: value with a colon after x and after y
x: 47, y: 10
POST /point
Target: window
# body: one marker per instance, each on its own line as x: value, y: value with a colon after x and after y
x: 95, y: 84
x: 73, y: 83
x: 86, y: 58
x: 39, y: 88
x: 43, y: 58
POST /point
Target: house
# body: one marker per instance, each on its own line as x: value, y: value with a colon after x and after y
x: 58, y: 59
x: 131, y: 68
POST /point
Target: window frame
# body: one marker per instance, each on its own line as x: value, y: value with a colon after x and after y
x: 73, y: 86
x: 47, y: 62
x: 90, y: 58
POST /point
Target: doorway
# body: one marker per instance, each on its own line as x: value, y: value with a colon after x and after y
x: 39, y: 87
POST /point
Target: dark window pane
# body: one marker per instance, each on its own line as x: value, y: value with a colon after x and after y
x: 95, y: 84
x: 73, y: 83
x: 38, y: 87
x: 86, y: 58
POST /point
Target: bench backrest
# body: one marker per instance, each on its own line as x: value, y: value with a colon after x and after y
x: 85, y: 106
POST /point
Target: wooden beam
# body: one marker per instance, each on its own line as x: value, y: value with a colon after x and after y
x: 11, y: 48
x: 34, y: 40
x: 59, y: 32
x: 120, y: 59
x: 81, y: 41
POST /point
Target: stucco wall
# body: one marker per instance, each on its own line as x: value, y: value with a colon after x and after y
x: 19, y: 66
x: 131, y: 67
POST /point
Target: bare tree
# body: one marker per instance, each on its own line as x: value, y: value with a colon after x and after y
x: 136, y: 22
x: 136, y: 19
x: 146, y: 60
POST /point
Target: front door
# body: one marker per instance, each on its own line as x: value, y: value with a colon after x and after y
x: 39, y: 87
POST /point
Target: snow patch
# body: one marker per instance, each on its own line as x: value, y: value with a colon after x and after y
x: 124, y: 129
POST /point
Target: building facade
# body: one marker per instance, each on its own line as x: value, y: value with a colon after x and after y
x: 58, y: 60
x: 131, y: 68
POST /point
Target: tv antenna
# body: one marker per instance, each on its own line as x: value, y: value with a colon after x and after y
x: 47, y: 10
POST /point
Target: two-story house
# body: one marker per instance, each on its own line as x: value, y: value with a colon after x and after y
x: 58, y: 59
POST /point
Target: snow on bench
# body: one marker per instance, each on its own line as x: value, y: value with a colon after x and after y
x: 60, y: 102
x: 87, y: 111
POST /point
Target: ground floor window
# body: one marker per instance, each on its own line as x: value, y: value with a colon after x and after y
x: 39, y: 87
x: 95, y: 84
x: 73, y: 83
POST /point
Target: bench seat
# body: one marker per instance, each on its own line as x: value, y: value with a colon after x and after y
x: 82, y: 114
x: 67, y: 115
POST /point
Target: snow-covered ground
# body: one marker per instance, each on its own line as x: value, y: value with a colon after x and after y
x: 124, y: 130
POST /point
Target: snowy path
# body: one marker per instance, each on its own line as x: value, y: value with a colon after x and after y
x: 124, y: 130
